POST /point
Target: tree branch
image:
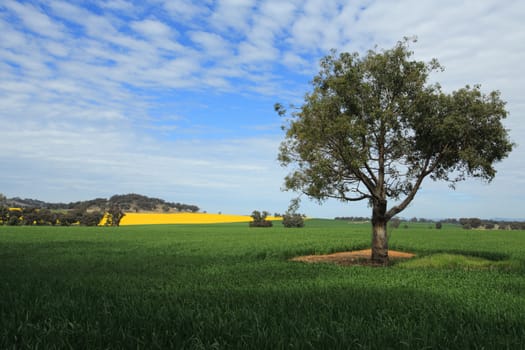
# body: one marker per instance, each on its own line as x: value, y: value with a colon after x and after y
x: 424, y: 173
x: 343, y: 197
x: 352, y: 199
x: 371, y: 173
x: 369, y: 183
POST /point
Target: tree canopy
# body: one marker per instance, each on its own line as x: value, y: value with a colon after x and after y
x: 373, y: 128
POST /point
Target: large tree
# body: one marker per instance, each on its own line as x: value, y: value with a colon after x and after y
x: 373, y: 128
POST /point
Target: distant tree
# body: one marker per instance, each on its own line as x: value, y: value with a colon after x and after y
x: 29, y: 216
x: 65, y: 219
x: 439, y: 225
x: 47, y: 217
x: 14, y: 221
x: 395, y: 222
x: 14, y: 217
x: 353, y: 218
x: 373, y: 129
x: 259, y: 219
x: 489, y: 225
x: 292, y: 218
x: 190, y: 208
x: 475, y: 222
x: 74, y: 216
x: 91, y: 218
x: 4, y: 215
x: 453, y: 221
x: 517, y: 225
x: 115, y: 214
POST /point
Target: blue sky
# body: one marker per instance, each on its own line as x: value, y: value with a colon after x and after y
x: 174, y: 99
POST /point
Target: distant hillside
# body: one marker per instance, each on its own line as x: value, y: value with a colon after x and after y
x: 128, y: 202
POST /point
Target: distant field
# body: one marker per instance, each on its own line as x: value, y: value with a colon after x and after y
x: 224, y: 286
x: 182, y: 218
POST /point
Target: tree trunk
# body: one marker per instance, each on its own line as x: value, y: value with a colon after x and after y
x: 379, y: 234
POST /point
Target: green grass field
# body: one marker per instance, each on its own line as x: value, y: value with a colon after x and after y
x: 228, y: 286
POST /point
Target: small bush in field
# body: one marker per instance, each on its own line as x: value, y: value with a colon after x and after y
x: 489, y: 226
x: 395, y: 222
x: 259, y: 219
x: 439, y: 225
x: 293, y: 220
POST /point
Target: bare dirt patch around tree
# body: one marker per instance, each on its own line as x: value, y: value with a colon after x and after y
x: 356, y: 257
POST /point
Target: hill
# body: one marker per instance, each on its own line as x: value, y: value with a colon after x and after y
x: 131, y: 202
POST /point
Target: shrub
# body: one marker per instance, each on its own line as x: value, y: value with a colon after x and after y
x: 13, y: 221
x: 293, y: 220
x: 395, y: 222
x: 265, y: 223
x: 475, y: 222
x: 14, y: 217
x: 259, y: 219
x: 489, y: 225
x: 91, y: 219
x: 115, y: 214
x: 439, y: 225
x: 516, y: 226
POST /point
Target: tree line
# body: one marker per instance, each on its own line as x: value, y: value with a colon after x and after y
x: 466, y: 223
x: 473, y: 223
x: 127, y: 202
x: 16, y: 211
x: 47, y: 217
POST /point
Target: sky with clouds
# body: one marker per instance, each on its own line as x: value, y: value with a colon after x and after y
x: 174, y: 98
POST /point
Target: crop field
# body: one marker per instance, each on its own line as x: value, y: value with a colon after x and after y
x: 182, y: 218
x: 228, y: 286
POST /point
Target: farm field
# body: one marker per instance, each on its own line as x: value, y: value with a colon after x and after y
x: 182, y: 218
x: 228, y: 286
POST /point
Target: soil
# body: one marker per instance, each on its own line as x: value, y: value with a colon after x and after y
x: 356, y: 257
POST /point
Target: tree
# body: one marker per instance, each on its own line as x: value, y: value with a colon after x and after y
x: 14, y: 217
x: 373, y: 129
x: 4, y: 215
x: 291, y: 217
x: 395, y: 222
x: 115, y: 214
x: 91, y: 218
x: 29, y: 216
x: 259, y: 219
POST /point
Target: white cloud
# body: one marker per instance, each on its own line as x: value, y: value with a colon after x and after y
x: 119, y: 5
x: 35, y: 20
x: 186, y: 10
x: 152, y: 29
x: 232, y: 15
x: 212, y: 44
x: 69, y: 12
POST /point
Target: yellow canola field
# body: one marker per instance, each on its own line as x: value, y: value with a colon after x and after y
x: 183, y: 218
